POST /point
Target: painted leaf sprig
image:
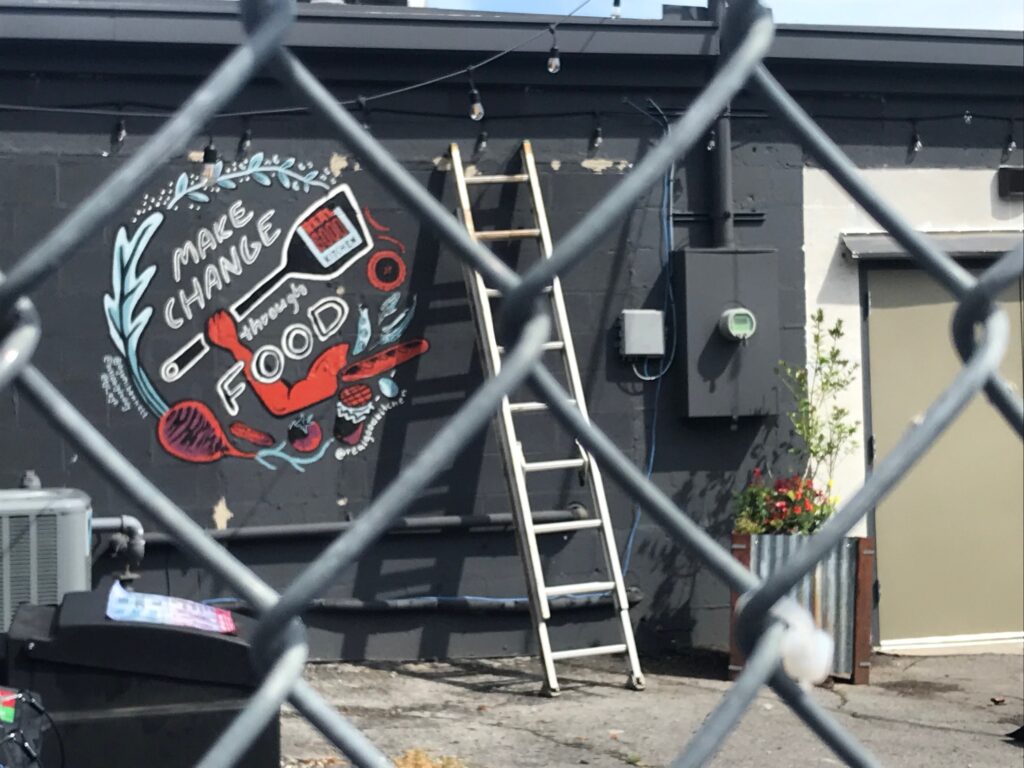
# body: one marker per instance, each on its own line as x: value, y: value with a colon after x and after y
x: 257, y: 168
x: 125, y: 322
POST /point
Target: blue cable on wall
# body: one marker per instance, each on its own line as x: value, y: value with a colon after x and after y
x: 669, y: 309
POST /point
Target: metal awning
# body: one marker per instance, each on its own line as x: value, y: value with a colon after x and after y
x: 959, y: 245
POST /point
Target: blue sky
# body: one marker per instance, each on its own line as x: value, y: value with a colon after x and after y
x: 967, y: 14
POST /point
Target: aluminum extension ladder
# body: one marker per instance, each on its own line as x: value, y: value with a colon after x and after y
x: 518, y: 469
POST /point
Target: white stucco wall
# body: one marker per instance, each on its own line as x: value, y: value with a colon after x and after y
x: 932, y: 200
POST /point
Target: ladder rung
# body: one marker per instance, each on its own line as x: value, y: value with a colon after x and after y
x: 514, y: 178
x: 527, y: 407
x: 547, y: 346
x: 532, y: 407
x: 598, y: 650
x: 582, y: 588
x: 567, y: 525
x: 548, y: 466
x: 508, y: 234
x: 494, y: 293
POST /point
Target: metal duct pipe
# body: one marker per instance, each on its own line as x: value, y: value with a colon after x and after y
x: 446, y: 604
x: 722, y: 214
x: 410, y: 524
x: 723, y: 225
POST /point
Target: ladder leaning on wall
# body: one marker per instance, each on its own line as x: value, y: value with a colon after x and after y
x: 518, y: 469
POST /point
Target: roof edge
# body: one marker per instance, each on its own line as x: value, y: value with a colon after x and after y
x: 320, y: 26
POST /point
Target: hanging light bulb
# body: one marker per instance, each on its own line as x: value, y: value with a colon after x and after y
x: 916, y: 145
x: 1011, y: 143
x: 476, y: 106
x: 968, y: 117
x: 209, y: 160
x: 118, y: 135
x: 365, y: 111
x: 616, y: 9
x: 244, y: 143
x: 481, y: 144
x: 712, y: 141
x: 554, y: 60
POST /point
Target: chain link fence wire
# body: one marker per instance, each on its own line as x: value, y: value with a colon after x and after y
x: 768, y: 624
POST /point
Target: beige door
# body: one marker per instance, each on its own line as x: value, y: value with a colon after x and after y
x: 950, y: 537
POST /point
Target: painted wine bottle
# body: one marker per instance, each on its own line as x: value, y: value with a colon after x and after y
x: 326, y: 239
x: 322, y: 243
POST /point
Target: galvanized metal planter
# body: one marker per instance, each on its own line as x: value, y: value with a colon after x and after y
x: 837, y: 593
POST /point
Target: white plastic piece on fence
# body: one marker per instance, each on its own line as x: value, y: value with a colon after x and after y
x: 806, y: 650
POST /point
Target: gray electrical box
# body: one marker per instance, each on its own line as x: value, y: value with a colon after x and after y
x: 642, y: 333
x: 44, y: 547
x: 731, y: 316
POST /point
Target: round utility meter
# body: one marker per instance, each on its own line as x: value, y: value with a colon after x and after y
x: 737, y: 324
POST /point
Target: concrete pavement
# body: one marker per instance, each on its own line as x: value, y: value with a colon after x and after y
x: 922, y: 712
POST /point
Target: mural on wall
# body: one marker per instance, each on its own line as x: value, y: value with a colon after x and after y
x: 287, y: 328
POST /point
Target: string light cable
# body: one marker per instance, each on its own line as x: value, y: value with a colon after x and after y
x: 468, y: 71
x: 1008, y: 144
x: 159, y: 112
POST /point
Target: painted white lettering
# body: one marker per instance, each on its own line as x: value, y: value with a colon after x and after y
x: 297, y: 341
x: 264, y: 227
x: 211, y: 280
x: 182, y: 256
x: 188, y: 299
x: 230, y: 264
x: 267, y: 364
x: 205, y: 241
x: 327, y: 316
x: 229, y: 389
x: 249, y: 251
x: 239, y: 216
x: 295, y: 292
x: 220, y: 229
x: 169, y: 318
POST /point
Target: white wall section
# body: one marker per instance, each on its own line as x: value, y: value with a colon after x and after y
x: 932, y: 200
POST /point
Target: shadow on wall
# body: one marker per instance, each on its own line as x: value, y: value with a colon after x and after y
x: 480, y: 564
x: 1002, y: 209
x: 671, y: 575
x: 445, y: 395
x: 840, y: 288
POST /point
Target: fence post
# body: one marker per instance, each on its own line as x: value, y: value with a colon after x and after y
x: 740, y: 548
x: 862, y: 611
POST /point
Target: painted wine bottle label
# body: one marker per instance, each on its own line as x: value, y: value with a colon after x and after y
x: 329, y: 235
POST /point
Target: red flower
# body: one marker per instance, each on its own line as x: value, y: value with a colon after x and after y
x: 757, y: 472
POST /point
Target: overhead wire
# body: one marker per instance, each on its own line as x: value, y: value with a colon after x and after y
x: 120, y: 112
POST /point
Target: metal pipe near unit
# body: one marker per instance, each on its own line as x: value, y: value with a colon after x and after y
x: 454, y: 604
x: 129, y: 539
x: 723, y: 225
x: 410, y: 524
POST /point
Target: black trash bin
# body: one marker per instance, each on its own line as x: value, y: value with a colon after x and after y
x: 131, y: 695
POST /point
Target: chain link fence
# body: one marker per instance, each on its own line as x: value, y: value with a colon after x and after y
x: 769, y: 627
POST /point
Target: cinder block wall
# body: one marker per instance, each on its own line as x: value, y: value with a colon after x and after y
x: 51, y: 162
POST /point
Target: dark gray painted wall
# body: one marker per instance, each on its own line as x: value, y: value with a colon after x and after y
x: 51, y: 162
